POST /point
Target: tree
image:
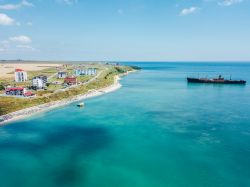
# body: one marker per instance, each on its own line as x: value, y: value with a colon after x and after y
x: 2, y: 87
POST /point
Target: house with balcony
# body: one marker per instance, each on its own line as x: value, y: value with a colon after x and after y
x: 18, y: 91
x: 39, y: 82
x: 61, y: 74
x: 77, y: 72
x: 89, y: 71
x: 20, y: 75
x: 70, y: 80
x: 15, y: 91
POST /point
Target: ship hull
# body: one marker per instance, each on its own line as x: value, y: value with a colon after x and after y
x: 212, y: 81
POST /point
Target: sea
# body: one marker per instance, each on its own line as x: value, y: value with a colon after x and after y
x: 156, y: 131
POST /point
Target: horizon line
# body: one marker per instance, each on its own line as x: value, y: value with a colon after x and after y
x: 125, y: 61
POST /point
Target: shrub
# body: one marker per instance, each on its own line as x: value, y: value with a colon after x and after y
x: 1, y: 87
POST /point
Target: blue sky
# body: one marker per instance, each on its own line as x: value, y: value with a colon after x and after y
x: 125, y: 30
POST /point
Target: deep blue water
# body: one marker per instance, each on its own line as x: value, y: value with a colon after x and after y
x: 157, y: 130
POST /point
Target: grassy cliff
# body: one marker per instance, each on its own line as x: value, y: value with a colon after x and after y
x: 11, y: 104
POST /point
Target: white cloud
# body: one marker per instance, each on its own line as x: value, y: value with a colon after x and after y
x: 6, y: 20
x: 120, y: 11
x: 187, y: 11
x: 16, y: 49
x: 26, y: 3
x: 229, y: 2
x: 25, y: 47
x: 4, y: 45
x: 16, y: 44
x: 69, y: 2
x: 21, y: 39
x: 4, y: 42
x: 23, y: 3
x: 9, y: 7
x: 29, y: 23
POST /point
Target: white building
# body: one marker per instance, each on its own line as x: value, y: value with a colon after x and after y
x: 20, y: 75
x: 89, y: 71
x: 39, y: 82
x: 61, y: 75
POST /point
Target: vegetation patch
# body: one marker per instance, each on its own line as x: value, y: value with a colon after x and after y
x: 12, y: 104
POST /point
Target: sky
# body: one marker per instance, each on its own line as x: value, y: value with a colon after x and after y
x: 125, y: 30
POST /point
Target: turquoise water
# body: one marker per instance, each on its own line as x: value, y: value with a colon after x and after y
x: 157, y: 130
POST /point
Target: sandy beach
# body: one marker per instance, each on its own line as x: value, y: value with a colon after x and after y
x: 48, y: 106
x: 7, y: 68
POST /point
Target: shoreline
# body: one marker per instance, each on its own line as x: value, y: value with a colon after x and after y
x: 27, y: 112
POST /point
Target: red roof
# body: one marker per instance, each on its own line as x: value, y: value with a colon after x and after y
x: 14, y: 89
x: 70, y: 79
x: 28, y: 94
x: 18, y: 70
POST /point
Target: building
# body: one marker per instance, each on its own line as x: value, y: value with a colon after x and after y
x: 39, y: 81
x: 28, y: 94
x: 70, y: 80
x: 20, y: 75
x: 18, y: 91
x: 89, y: 71
x: 78, y: 72
x: 62, y: 75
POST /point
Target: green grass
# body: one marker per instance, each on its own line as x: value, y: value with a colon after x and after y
x: 43, y: 92
x: 83, y: 78
x: 55, y: 79
x: 10, y: 104
x: 6, y: 81
x: 31, y: 74
x: 47, y: 72
x: 53, y: 87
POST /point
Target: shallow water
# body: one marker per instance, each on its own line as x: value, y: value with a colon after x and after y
x: 157, y: 130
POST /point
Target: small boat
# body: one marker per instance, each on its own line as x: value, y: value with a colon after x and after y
x: 80, y: 104
x: 219, y: 80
